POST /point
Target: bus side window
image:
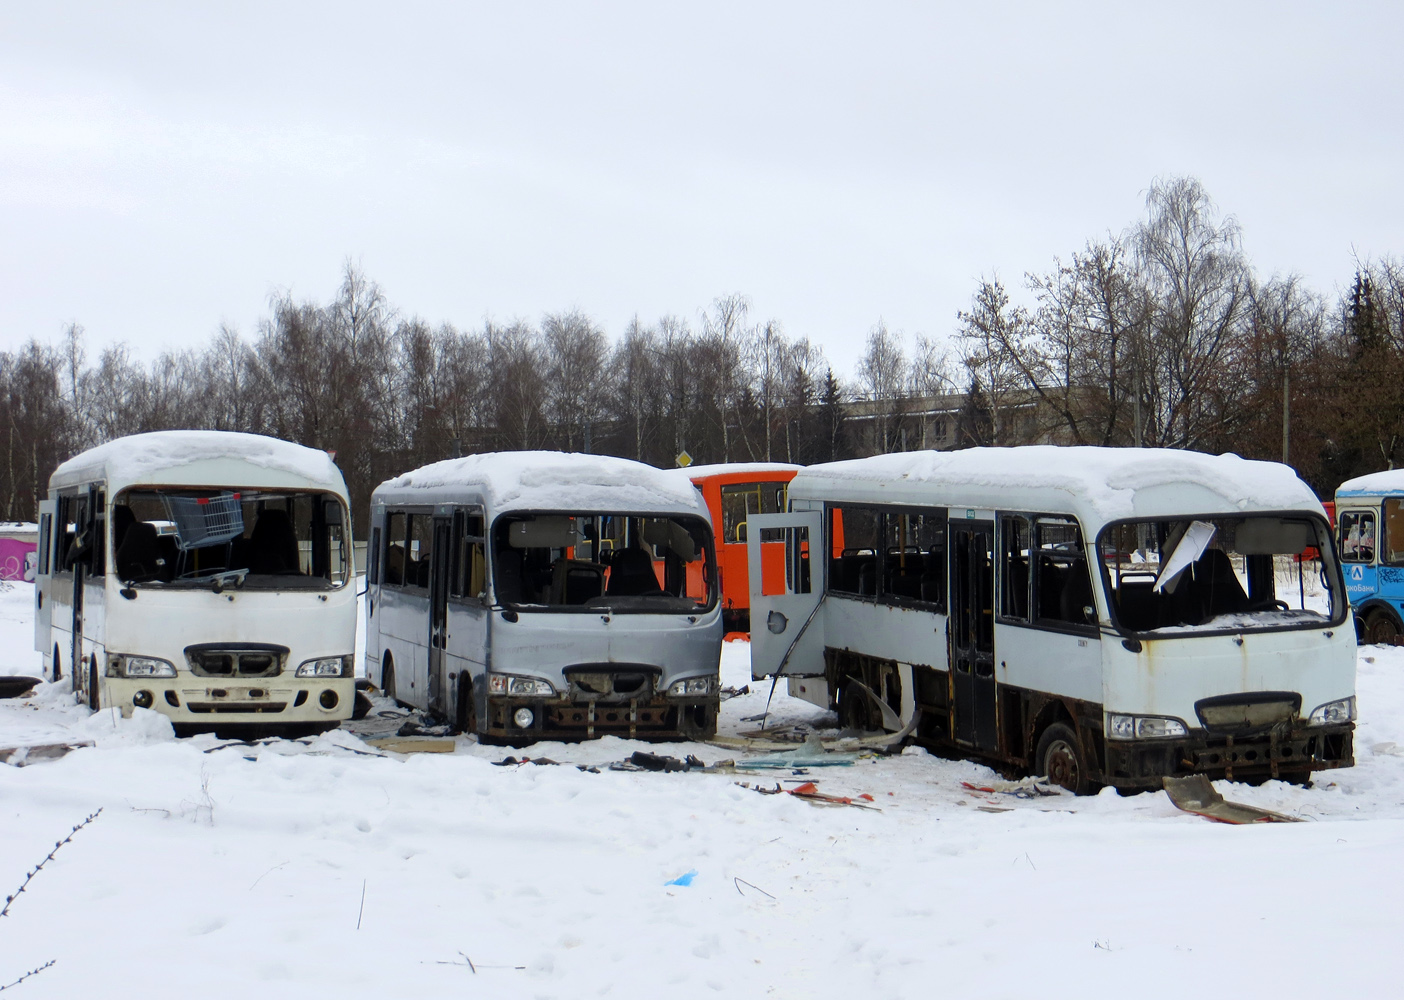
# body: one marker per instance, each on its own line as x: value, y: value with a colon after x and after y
x: 469, y: 575
x: 373, y: 558
x: 46, y: 527
x: 97, y: 528
x: 418, y: 552
x: 1014, y: 567
x: 1358, y: 536
x: 1393, y: 552
x: 1062, y: 587
x: 856, y: 569
x: 395, y: 549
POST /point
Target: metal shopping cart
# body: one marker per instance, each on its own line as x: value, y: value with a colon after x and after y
x: 202, y: 522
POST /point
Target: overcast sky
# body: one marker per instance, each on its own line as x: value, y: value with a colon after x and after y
x: 165, y: 168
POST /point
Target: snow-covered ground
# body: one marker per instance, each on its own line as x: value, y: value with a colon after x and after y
x: 292, y: 869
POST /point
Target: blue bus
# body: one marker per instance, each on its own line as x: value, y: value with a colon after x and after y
x: 1370, y: 538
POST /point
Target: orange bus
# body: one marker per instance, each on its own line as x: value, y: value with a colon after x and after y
x: 732, y: 492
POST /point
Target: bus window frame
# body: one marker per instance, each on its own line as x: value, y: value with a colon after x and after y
x: 883, y: 595
x: 458, y: 535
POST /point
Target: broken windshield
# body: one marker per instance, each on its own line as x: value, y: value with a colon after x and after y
x: 615, y: 562
x: 1260, y: 571
x: 253, y: 539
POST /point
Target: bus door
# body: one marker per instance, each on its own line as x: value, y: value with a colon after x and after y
x: 441, y: 557
x: 81, y: 552
x: 43, y: 579
x: 786, y: 633
x: 971, y: 625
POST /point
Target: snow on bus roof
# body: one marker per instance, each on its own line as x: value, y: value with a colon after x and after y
x: 552, y: 480
x: 150, y: 457
x: 1374, y: 484
x: 1097, y: 484
x: 734, y: 468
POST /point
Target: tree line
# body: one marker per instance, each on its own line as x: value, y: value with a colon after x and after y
x: 1162, y: 335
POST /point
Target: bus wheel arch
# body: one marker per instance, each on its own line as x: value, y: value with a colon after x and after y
x: 465, y: 718
x: 387, y: 676
x: 1062, y: 759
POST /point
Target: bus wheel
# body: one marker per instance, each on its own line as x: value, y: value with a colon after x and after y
x: 1381, y: 628
x: 58, y: 667
x: 1060, y: 759
x: 467, y: 717
x: 387, y: 678
x: 854, y: 710
x: 94, y: 700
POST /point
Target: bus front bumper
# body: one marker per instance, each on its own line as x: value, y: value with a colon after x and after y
x: 655, y: 718
x: 203, y: 701
x: 1293, y: 753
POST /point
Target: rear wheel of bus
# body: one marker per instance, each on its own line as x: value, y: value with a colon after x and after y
x: 1061, y: 760
x: 94, y: 700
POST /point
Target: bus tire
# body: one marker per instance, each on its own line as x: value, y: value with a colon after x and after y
x: 94, y: 698
x: 854, y: 709
x: 58, y: 667
x: 1061, y: 760
x: 387, y: 678
x: 466, y: 718
x: 1381, y: 628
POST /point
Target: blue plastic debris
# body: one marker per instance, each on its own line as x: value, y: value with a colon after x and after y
x: 683, y: 879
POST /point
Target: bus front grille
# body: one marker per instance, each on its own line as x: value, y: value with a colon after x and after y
x: 246, y: 659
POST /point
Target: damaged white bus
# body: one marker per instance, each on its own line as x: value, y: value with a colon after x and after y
x: 203, y: 574
x: 540, y: 595
x: 1099, y: 616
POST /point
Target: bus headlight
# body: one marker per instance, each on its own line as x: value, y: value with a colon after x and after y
x: 520, y: 687
x: 147, y: 666
x: 692, y: 686
x: 328, y: 666
x: 1333, y: 713
x: 1143, y: 727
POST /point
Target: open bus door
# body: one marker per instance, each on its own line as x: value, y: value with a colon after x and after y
x: 786, y: 636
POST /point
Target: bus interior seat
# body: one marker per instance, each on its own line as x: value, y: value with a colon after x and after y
x: 576, y: 581
x: 631, y: 575
x: 1076, y: 594
x: 394, y: 563
x: 905, y: 572
x: 272, y: 545
x: 1223, y: 593
x: 509, y: 575
x: 1138, y: 607
x: 122, y: 519
x: 1017, y: 589
x: 140, y: 558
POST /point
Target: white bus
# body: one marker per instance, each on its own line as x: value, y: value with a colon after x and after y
x: 203, y: 574
x: 539, y: 595
x: 1099, y: 616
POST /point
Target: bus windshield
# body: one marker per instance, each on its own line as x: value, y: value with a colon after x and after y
x: 254, y: 539
x: 1256, y: 572
x: 615, y: 562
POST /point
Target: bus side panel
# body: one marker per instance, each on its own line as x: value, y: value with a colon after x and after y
x: 404, y: 634
x: 1049, y: 662
x: 887, y: 632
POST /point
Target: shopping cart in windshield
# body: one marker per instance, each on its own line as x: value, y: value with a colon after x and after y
x: 204, y: 522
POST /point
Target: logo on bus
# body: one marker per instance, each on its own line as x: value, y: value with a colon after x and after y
x: 970, y: 515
